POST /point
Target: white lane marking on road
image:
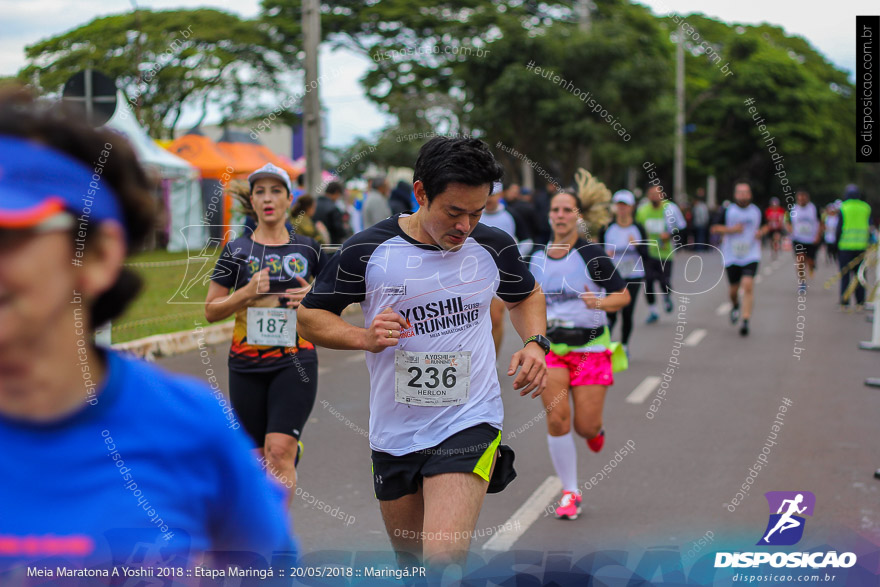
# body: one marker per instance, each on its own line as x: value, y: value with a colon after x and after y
x: 759, y: 279
x: 526, y: 515
x: 695, y: 337
x: 643, y: 390
x: 358, y: 358
x: 723, y: 309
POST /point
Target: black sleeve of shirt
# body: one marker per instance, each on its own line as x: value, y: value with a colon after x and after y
x: 600, y: 266
x: 516, y: 281
x: 340, y: 282
x: 227, y: 270
x: 342, y: 278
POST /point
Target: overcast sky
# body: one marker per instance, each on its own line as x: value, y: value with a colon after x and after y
x: 350, y: 114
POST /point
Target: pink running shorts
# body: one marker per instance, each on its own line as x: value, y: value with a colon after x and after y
x: 584, y: 368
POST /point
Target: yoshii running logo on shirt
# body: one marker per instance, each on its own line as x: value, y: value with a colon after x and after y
x: 439, y: 316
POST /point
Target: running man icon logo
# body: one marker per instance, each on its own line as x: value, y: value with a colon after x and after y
x: 786, y: 526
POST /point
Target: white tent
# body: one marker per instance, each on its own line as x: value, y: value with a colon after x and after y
x: 180, y: 181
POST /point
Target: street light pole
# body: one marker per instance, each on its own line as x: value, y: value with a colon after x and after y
x: 583, y: 9
x: 678, y: 172
x: 138, y: 58
x: 311, y: 22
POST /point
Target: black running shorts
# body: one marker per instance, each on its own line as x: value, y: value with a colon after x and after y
x: 468, y: 451
x: 274, y: 401
x: 808, y: 250
x: 735, y: 273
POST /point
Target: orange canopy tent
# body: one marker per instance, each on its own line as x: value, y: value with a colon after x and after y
x: 204, y: 154
x: 251, y: 154
x: 235, y: 156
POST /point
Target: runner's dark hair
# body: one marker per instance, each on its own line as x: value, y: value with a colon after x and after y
x: 302, y: 204
x: 446, y: 160
x: 334, y: 187
x: 23, y: 116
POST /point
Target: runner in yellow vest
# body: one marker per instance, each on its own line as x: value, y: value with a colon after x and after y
x: 662, y: 220
x: 853, y: 232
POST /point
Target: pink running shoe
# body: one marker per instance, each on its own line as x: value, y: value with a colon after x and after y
x: 569, y: 506
x: 597, y: 442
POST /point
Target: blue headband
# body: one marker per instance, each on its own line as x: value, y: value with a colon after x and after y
x: 37, y: 182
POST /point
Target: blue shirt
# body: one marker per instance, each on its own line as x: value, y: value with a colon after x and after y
x: 153, y: 464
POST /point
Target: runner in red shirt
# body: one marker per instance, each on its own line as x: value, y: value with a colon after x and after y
x: 775, y: 217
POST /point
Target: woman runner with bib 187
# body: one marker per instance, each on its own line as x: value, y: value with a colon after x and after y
x: 273, y: 373
x: 574, y: 276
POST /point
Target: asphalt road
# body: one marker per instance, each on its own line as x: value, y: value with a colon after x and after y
x: 689, y: 460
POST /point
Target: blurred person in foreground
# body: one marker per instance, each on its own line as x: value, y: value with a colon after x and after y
x: 112, y: 457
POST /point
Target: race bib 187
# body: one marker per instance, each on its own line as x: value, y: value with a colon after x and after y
x: 271, y: 327
x: 432, y: 379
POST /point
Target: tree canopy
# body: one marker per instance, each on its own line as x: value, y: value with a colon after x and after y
x: 523, y: 74
x: 166, y: 60
x: 460, y: 66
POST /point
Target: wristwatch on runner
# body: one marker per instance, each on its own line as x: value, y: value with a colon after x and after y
x: 542, y: 341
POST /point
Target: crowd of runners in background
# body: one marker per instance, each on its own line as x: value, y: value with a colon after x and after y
x: 561, y: 263
x: 518, y: 210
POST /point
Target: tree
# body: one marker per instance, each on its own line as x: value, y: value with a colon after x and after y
x: 593, y: 88
x: 804, y: 101
x: 166, y: 60
x: 460, y: 67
